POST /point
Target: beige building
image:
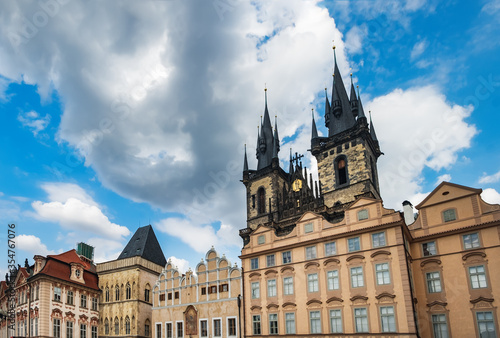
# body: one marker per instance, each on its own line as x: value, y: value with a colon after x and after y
x: 203, y: 303
x: 56, y: 297
x: 126, y: 285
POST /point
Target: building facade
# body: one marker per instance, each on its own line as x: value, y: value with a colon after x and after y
x: 58, y: 297
x: 203, y: 303
x: 126, y: 286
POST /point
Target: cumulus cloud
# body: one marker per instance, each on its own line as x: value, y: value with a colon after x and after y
x: 491, y: 196
x: 71, y: 207
x: 105, y: 249
x: 443, y: 178
x: 490, y: 178
x: 33, y: 245
x: 182, y: 265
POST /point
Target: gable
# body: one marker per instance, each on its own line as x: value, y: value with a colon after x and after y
x: 445, y: 192
x: 363, y: 201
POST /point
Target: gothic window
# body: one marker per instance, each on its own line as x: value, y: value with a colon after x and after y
x: 117, y: 326
x: 106, y: 326
x: 261, y: 203
x: 341, y: 170
x: 128, y: 291
x: 117, y: 293
x: 107, y: 294
x: 127, y: 325
x: 146, y: 293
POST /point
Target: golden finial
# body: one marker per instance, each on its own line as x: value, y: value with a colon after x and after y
x: 333, y: 42
x: 265, y: 87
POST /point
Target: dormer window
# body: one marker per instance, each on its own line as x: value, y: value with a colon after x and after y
x: 78, y: 273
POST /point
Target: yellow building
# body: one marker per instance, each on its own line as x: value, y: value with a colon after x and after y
x: 203, y: 303
x: 126, y: 285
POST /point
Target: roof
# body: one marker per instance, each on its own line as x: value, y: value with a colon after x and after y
x: 144, y: 244
x: 436, y: 196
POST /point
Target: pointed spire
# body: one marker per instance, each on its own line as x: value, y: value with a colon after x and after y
x: 314, y: 130
x: 372, y: 129
x: 353, y: 100
x: 258, y: 140
x: 245, y: 161
x: 290, y: 170
x: 361, y: 111
x: 276, y: 137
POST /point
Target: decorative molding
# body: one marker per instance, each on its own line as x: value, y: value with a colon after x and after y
x: 437, y: 302
x: 272, y: 305
x: 358, y: 297
x: 255, y: 307
x: 331, y: 260
x: 314, y: 301
x: 471, y: 254
x: 482, y: 299
x: 270, y: 271
x: 385, y: 294
x: 285, y: 268
x: 431, y: 260
x: 350, y: 258
x: 254, y: 274
x: 380, y: 252
x: 288, y: 304
x: 316, y: 264
x: 334, y: 299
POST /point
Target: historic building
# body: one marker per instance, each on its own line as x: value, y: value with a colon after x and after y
x: 203, y: 303
x: 56, y: 297
x: 325, y: 258
x: 126, y: 285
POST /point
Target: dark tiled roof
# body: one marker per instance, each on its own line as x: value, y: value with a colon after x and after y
x: 145, y: 245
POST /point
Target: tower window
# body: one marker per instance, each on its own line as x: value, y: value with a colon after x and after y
x: 374, y: 177
x: 341, y: 170
x: 261, y: 203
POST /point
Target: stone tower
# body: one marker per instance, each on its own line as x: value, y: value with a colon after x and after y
x: 347, y: 158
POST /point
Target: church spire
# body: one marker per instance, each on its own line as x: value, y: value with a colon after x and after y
x: 327, y: 109
x: 314, y: 130
x: 361, y: 111
x: 245, y: 161
x: 266, y: 140
x: 372, y: 129
x: 353, y: 99
x: 276, y: 140
x: 290, y: 169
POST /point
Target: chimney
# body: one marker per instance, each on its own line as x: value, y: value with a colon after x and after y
x: 408, y: 213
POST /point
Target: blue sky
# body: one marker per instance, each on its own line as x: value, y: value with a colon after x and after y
x: 120, y: 114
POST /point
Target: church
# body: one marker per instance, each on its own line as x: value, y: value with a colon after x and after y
x: 326, y: 258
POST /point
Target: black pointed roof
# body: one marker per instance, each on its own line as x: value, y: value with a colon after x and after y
x: 144, y: 244
x: 314, y: 129
x: 245, y: 161
x: 265, y: 143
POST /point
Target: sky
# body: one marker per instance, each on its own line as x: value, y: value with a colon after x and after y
x: 117, y: 114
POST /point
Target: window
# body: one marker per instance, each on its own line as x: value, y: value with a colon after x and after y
x: 315, y: 321
x: 256, y: 324
x: 203, y: 328
x: 94, y: 303
x: 255, y: 290
x: 254, y: 263
x: 271, y: 288
x: 270, y: 260
x: 83, y: 330
x: 477, y: 277
x: 231, y: 327
x: 180, y: 329
x: 213, y: 288
x: 117, y: 293
x: 312, y: 282
x: 94, y: 331
x: 433, y: 282
x: 336, y: 321
x: 223, y: 288
x: 353, y: 244
x: 168, y: 330
x: 146, y: 294
x: 361, y: 319
x: 330, y: 249
x: 69, y: 297
x: 273, y: 323
x: 439, y: 326
x: 357, y: 277
x: 449, y: 215
x: 69, y: 329
x: 308, y: 228
x: 362, y: 214
x: 83, y: 301
x: 107, y: 294
x: 117, y: 326
x: 261, y: 201
x: 106, y: 326
x: 261, y: 239
x: 146, y: 329
x: 378, y: 239
x: 429, y: 249
x: 332, y: 278
x: 217, y: 328
x: 290, y: 323
x: 310, y: 252
x: 486, y: 324
x: 128, y: 291
x: 471, y: 241
x: 341, y: 171
x: 127, y: 326
x: 158, y: 330
x: 203, y: 292
x: 382, y: 272
x: 57, y: 328
x: 57, y: 294
x: 288, y: 285
x: 387, y: 319
x: 287, y: 257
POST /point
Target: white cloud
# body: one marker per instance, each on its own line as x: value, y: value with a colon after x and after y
x: 491, y: 196
x: 182, y: 265
x: 418, y: 49
x: 33, y: 121
x: 4, y: 84
x: 354, y: 39
x: 490, y: 178
x: 443, y: 178
x: 105, y: 249
x: 73, y: 209
x: 33, y: 245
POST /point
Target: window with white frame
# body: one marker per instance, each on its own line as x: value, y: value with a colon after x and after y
x: 231, y: 327
x: 332, y: 278
x: 217, y: 326
x: 169, y: 330
x: 433, y: 281
x: 57, y: 294
x: 330, y: 249
x: 439, y: 325
x: 83, y: 330
x: 273, y: 323
x: 312, y: 282
x: 158, y: 330
x: 357, y: 277
x: 271, y: 288
x: 315, y: 321
x: 83, y: 301
x: 94, y: 331
x: 254, y: 263
x: 486, y: 324
x: 353, y: 244
x: 336, y: 321
x: 270, y: 260
x: 477, y: 277
x: 387, y: 319
x: 56, y: 329
x: 290, y: 323
x: 382, y: 272
x: 255, y: 287
x: 361, y: 319
x: 288, y: 285
x: 287, y: 257
x: 69, y: 297
x: 256, y: 324
x: 311, y: 252
x: 180, y: 329
x: 378, y: 239
x: 471, y: 241
x: 203, y: 328
x: 429, y: 249
x: 69, y: 329
x: 94, y: 303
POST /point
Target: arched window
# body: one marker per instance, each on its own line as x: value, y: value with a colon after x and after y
x: 147, y: 291
x: 128, y: 291
x: 117, y: 293
x: 146, y: 328
x: 106, y: 326
x: 117, y: 326
x: 261, y: 200
x: 127, y: 325
x: 341, y: 170
x: 106, y: 293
